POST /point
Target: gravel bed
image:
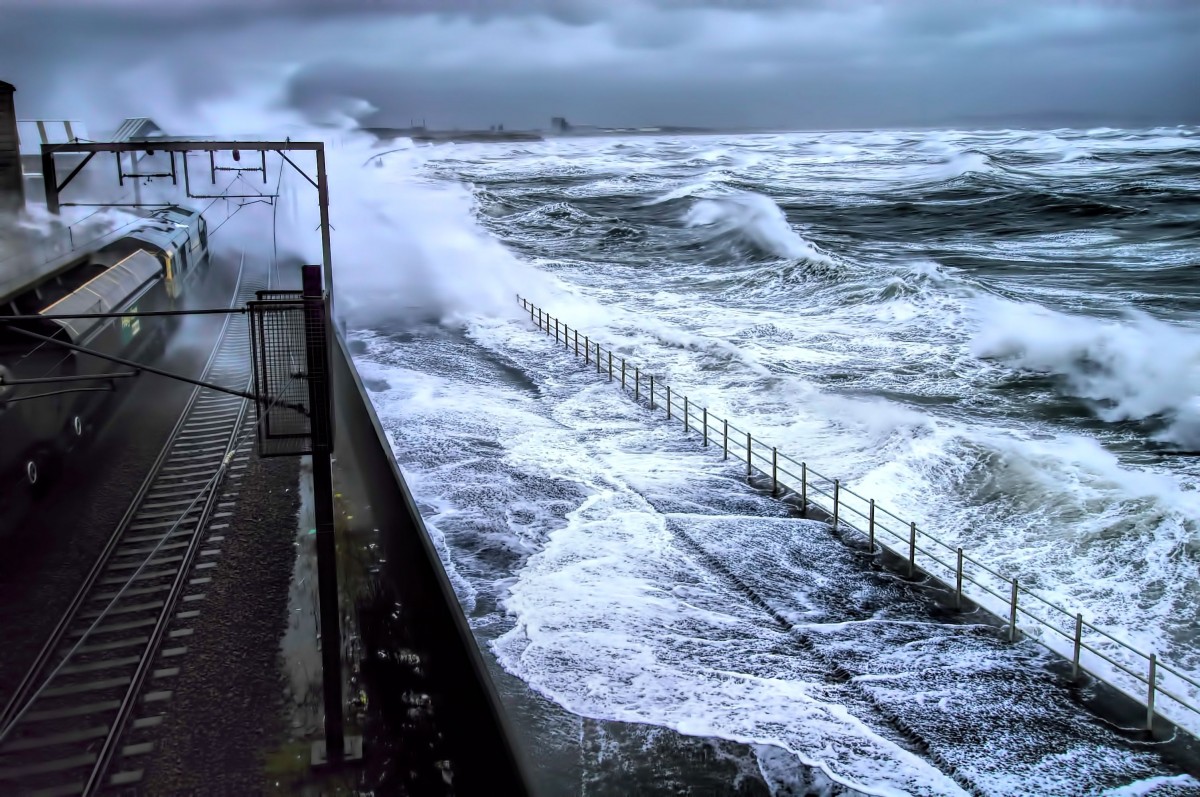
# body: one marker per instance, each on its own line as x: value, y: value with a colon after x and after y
x: 228, y: 710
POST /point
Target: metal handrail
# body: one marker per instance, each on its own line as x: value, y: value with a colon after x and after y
x: 1144, y: 688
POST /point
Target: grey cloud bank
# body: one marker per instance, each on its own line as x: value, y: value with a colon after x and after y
x: 805, y: 63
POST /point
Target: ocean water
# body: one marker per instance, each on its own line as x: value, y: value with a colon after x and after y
x: 991, y: 333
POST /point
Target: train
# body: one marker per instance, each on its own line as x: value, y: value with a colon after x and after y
x: 52, y: 398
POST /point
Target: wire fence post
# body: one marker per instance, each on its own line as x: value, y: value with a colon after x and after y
x: 1078, y: 644
x: 706, y: 427
x: 1012, y: 614
x: 725, y: 439
x: 804, y: 489
x: 651, y: 391
x: 912, y: 549
x: 668, y: 402
x: 587, y: 350
x: 958, y: 590
x: 837, y: 489
x: 749, y: 453
x: 871, y: 526
x: 774, y: 470
x: 686, y: 412
x: 1150, y: 696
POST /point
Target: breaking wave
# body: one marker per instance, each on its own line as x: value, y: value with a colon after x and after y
x: 760, y: 220
x: 1134, y: 369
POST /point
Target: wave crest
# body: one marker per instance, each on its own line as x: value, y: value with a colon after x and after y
x: 1139, y: 369
x: 759, y: 219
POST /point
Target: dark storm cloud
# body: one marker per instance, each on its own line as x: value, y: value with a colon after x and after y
x: 822, y: 63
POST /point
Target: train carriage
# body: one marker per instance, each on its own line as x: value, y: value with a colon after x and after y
x: 51, y: 397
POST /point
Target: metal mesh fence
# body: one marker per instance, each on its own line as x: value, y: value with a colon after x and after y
x: 280, y: 350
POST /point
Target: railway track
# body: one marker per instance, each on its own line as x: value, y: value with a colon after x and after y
x: 84, y: 717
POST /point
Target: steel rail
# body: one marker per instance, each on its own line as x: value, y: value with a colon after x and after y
x: 17, y: 701
x: 176, y: 448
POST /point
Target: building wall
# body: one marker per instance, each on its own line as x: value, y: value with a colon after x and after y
x: 11, y: 188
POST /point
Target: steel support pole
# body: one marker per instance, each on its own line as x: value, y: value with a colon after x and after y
x: 912, y: 549
x: 774, y: 470
x: 871, y: 527
x: 958, y: 579
x: 1012, y: 617
x: 804, y: 489
x: 1078, y: 642
x: 1150, y: 697
x: 50, y: 179
x: 316, y: 324
x: 326, y: 248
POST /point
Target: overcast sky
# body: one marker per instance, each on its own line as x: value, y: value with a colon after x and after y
x: 728, y: 63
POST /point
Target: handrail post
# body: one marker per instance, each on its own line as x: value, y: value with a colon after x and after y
x: 652, y: 392
x: 1150, y: 697
x: 774, y: 470
x: 587, y: 350
x: 668, y: 402
x: 556, y: 330
x: 837, y: 490
x: 706, y: 427
x: 540, y: 324
x: 637, y: 383
x: 597, y: 358
x: 610, y: 375
x: 576, y: 342
x: 725, y: 439
x: 1012, y: 614
x: 1078, y: 645
x: 531, y: 314
x: 912, y: 548
x: 958, y: 587
x: 871, y: 527
x: 566, y: 336
x: 749, y: 454
x: 622, y: 373
x: 686, y: 412
x: 804, y: 489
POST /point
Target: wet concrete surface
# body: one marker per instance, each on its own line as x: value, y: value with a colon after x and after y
x: 53, y: 548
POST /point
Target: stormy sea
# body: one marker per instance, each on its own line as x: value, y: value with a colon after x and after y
x: 992, y: 333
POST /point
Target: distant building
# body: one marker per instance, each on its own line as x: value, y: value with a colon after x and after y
x: 559, y: 124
